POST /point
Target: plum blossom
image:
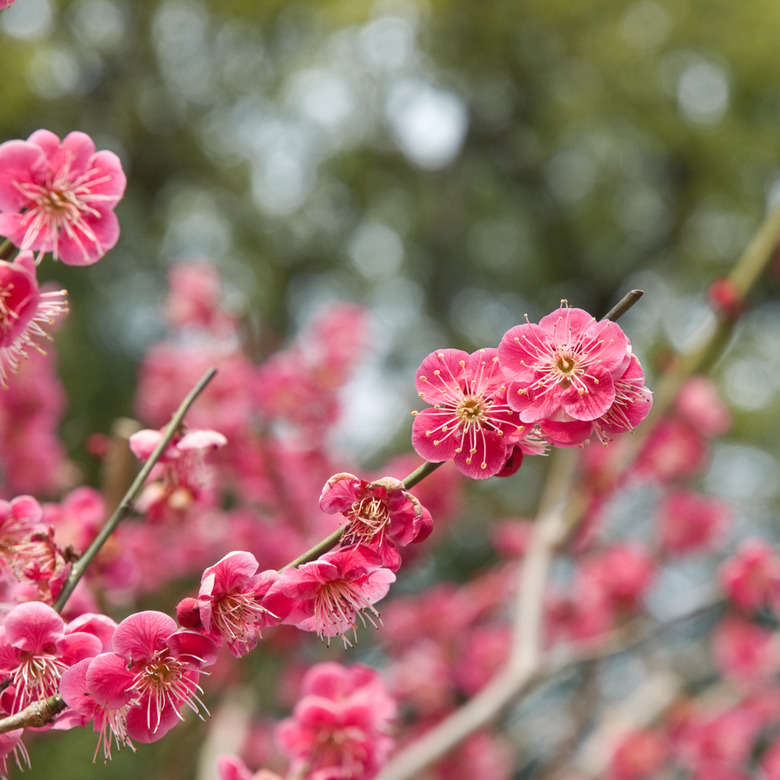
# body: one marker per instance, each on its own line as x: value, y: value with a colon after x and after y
x: 24, y: 312
x: 229, y: 605
x: 186, y: 477
x: 34, y: 652
x: 340, y: 728
x: 379, y: 514
x: 110, y: 724
x: 470, y: 420
x: 152, y: 672
x: 330, y: 594
x: 59, y: 197
x: 563, y: 369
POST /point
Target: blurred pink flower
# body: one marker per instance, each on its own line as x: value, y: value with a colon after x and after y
x: 60, y: 197
x: 690, y: 523
x: 340, y: 727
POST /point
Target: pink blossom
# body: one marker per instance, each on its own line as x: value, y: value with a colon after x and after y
x: 329, y: 595
x: 24, y: 311
x: 340, y: 727
x: 700, y: 405
x: 230, y: 601
x: 185, y: 475
x: 751, y: 578
x: 672, y: 451
x: 639, y: 755
x: 564, y: 368
x: 719, y: 742
x: 34, y: 652
x: 153, y: 671
x: 689, y: 522
x: 380, y: 514
x: 6, y: 4
x: 746, y: 652
x: 60, y: 197
x: 470, y: 421
x: 109, y: 723
x: 622, y: 574
x: 195, y: 297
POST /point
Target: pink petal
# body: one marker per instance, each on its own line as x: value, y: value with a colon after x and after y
x: 137, y: 637
x: 599, y: 395
x: 430, y: 440
x: 440, y: 375
x: 81, y: 248
x: 145, y: 724
x: 109, y: 680
x: 18, y: 159
x: 33, y: 626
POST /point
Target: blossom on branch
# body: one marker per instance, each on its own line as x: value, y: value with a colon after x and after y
x: 59, y: 197
x: 330, y: 594
x: 565, y: 365
x: 470, y: 420
x: 153, y: 672
x: 230, y: 602
x: 379, y: 514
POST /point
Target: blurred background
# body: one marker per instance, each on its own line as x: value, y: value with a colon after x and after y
x: 450, y: 165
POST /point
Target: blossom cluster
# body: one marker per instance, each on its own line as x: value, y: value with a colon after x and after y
x: 241, y: 497
x: 559, y: 382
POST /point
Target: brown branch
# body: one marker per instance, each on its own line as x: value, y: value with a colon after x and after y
x: 35, y: 715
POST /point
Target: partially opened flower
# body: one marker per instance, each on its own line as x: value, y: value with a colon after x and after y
x: 380, y: 514
x: 60, y: 197
x: 230, y: 604
x: 24, y: 311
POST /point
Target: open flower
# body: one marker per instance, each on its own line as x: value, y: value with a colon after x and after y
x: 379, y: 514
x: 60, y: 197
x: 152, y: 673
x: 470, y: 420
x: 330, y: 594
x: 564, y: 368
x: 34, y: 652
x: 24, y: 311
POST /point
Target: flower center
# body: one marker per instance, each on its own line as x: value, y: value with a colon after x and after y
x: 337, y: 606
x: 471, y: 411
x: 367, y: 519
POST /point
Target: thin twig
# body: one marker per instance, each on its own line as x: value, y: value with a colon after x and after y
x: 125, y: 508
